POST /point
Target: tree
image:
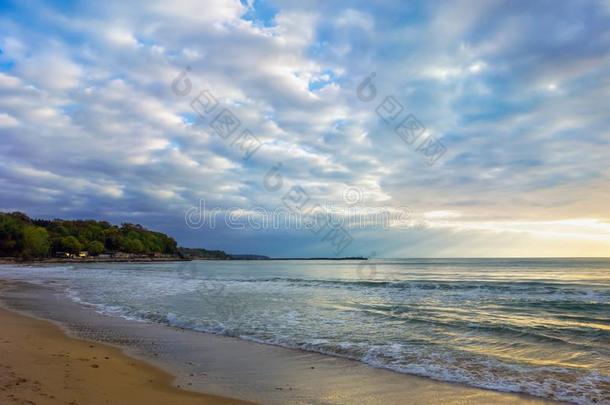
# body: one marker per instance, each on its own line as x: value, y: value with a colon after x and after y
x: 112, y: 238
x: 36, y: 242
x: 95, y: 248
x: 71, y: 245
x: 11, y: 235
x: 21, y: 236
x: 132, y: 245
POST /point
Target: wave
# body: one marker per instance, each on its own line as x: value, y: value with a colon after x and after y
x: 585, y: 290
x: 432, y: 361
x: 539, y: 296
x: 482, y: 372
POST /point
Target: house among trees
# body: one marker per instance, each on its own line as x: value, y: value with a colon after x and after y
x: 25, y: 238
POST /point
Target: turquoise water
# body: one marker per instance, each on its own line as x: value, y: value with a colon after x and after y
x: 534, y: 326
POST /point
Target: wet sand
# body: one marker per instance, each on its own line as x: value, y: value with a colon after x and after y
x: 223, y: 366
x: 39, y: 364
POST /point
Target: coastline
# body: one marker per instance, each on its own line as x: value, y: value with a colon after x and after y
x: 230, y: 367
x: 5, y: 260
x: 40, y: 364
x: 92, y: 260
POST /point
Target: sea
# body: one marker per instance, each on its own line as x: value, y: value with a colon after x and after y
x: 534, y: 326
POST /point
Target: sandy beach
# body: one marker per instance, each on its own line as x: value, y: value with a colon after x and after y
x: 39, y: 364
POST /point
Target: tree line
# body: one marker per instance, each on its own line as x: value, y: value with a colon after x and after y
x: 27, y: 238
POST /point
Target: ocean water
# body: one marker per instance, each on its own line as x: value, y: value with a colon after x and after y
x: 540, y: 326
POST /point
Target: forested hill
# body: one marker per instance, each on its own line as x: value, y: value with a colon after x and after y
x: 27, y: 238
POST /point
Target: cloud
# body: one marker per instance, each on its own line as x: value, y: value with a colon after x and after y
x: 90, y: 126
x: 8, y: 121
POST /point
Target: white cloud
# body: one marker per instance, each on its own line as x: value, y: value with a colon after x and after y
x: 8, y: 121
x: 121, y: 37
x: 355, y: 18
x: 50, y: 71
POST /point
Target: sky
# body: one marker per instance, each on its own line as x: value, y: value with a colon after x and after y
x: 425, y: 129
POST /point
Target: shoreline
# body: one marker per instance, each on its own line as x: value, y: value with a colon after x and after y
x: 91, y: 260
x: 4, y: 260
x: 40, y: 364
x: 231, y: 367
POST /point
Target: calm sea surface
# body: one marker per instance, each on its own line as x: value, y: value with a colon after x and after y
x: 535, y: 326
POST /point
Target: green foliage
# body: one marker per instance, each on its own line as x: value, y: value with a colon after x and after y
x: 11, y: 235
x: 95, y: 247
x: 132, y: 245
x: 36, y: 242
x: 71, y: 245
x: 23, y: 237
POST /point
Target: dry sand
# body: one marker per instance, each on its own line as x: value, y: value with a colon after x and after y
x: 39, y: 364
